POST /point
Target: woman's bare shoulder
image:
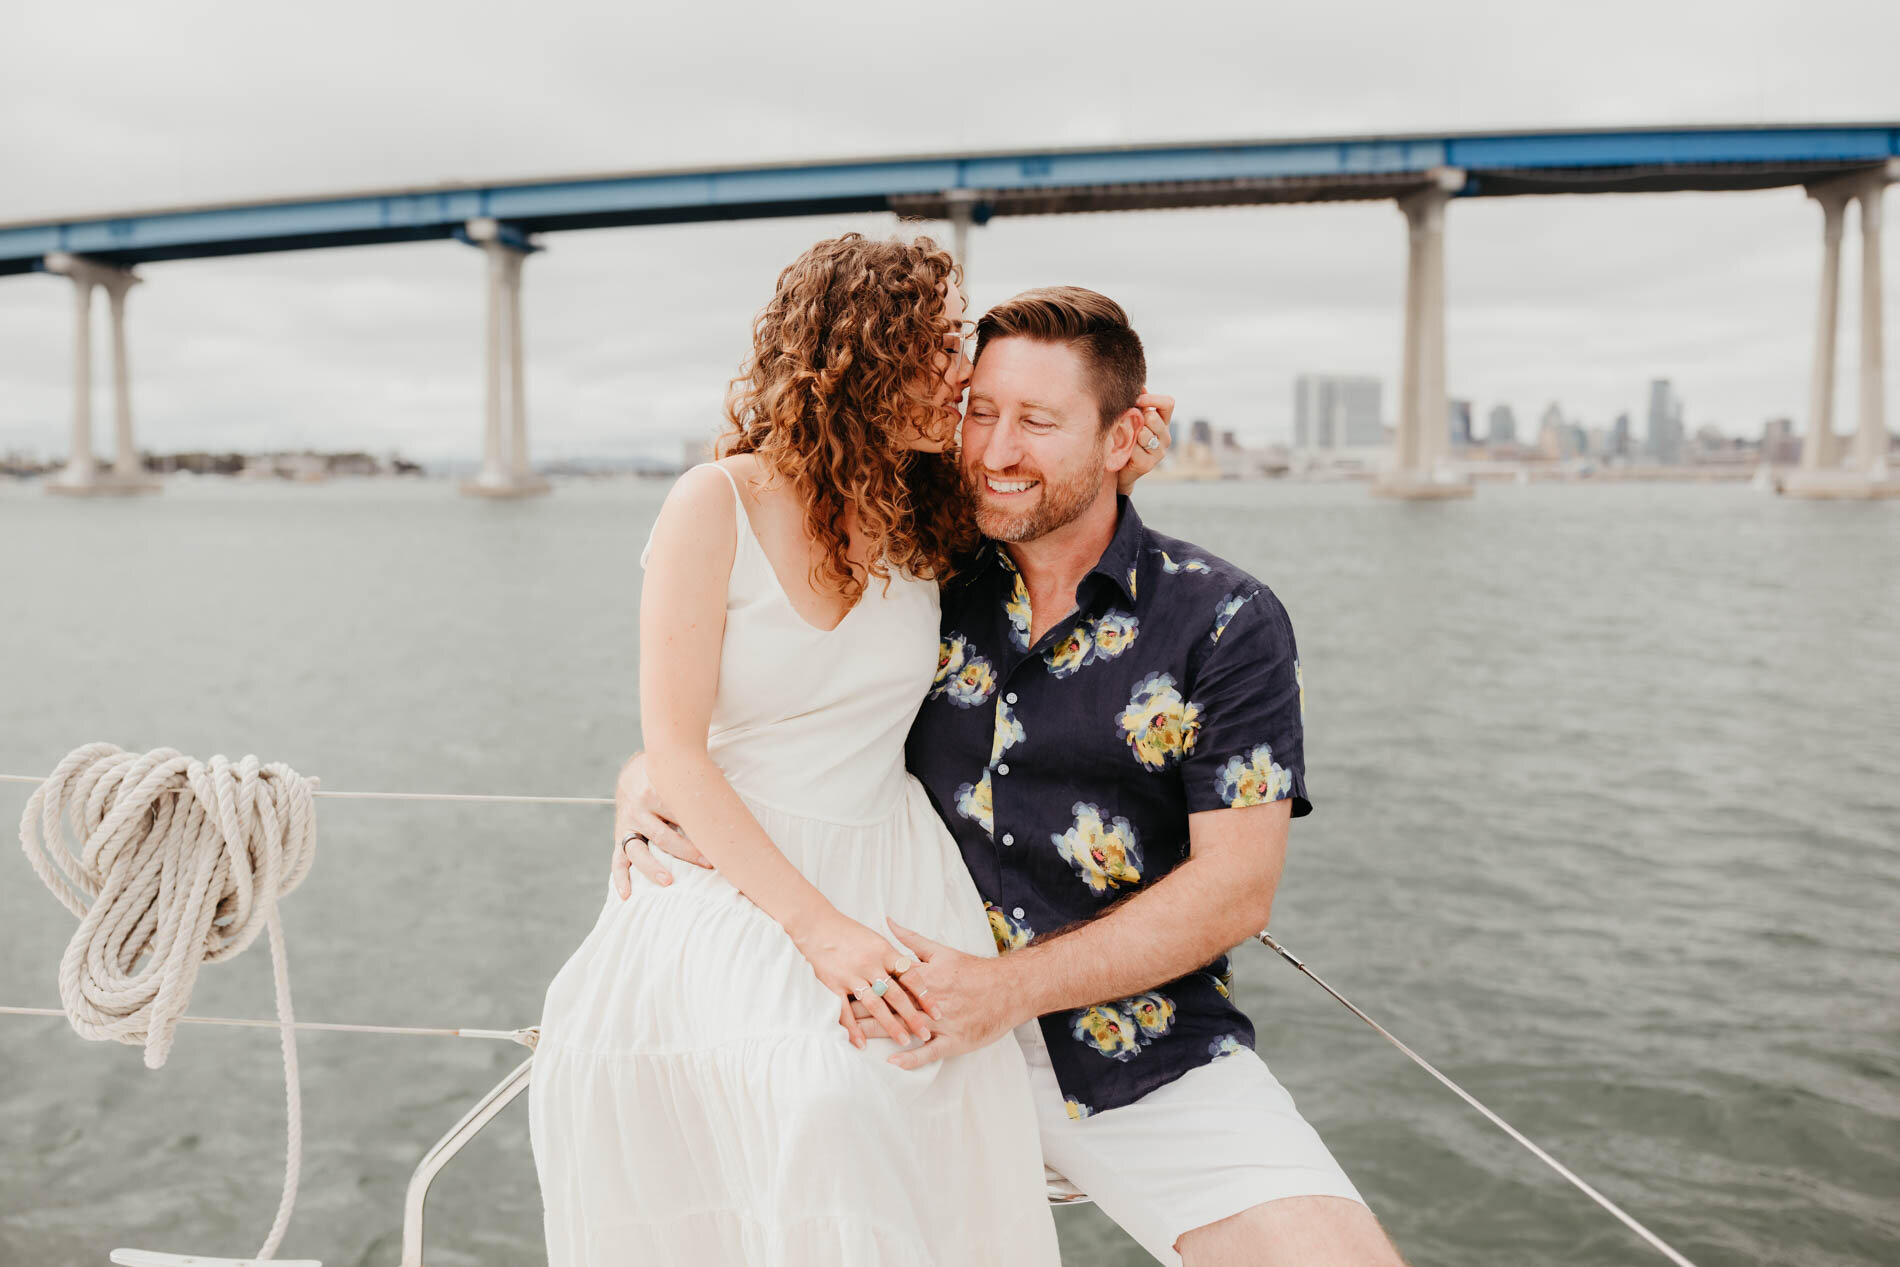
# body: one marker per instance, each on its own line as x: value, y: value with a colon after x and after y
x: 696, y: 520
x: 754, y: 478
x: 772, y: 502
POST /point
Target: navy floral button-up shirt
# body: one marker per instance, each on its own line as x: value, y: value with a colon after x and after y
x: 1067, y: 770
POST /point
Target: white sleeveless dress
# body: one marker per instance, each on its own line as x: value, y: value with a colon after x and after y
x: 694, y: 1099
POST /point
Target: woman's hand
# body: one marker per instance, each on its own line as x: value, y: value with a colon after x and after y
x: 1151, y: 442
x: 849, y: 958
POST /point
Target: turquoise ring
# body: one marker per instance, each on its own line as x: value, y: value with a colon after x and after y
x: 879, y: 986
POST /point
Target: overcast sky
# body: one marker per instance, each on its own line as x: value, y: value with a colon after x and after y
x: 632, y: 333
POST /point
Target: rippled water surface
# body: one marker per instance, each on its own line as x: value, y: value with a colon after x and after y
x: 1607, y: 786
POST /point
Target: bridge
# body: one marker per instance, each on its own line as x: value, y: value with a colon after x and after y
x: 1421, y: 174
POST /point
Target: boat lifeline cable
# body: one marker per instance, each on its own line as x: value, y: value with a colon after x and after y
x: 1267, y: 939
x: 180, y: 863
x: 526, y: 1036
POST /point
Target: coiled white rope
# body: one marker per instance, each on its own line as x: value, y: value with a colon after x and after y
x: 179, y: 863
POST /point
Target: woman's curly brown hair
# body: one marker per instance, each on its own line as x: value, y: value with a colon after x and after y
x: 845, y: 363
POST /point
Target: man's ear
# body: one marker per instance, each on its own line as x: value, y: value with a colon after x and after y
x: 1121, y: 440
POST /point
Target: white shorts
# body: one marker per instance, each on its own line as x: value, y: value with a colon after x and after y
x: 1218, y: 1140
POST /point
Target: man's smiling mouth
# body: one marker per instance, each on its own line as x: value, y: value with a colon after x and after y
x: 1008, y: 486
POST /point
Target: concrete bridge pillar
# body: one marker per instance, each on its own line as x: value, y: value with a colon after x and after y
x: 1870, y: 448
x: 1817, y: 449
x: 1863, y: 471
x: 82, y: 476
x: 1419, y: 469
x: 506, y: 471
x: 962, y: 207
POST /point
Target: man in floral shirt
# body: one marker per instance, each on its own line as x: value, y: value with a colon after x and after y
x: 1114, y: 738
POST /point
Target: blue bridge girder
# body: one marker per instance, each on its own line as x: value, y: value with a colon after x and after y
x: 1027, y: 182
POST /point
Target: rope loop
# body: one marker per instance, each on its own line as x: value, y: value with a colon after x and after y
x: 173, y: 863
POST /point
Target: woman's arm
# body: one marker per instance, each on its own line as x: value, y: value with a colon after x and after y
x: 682, y: 628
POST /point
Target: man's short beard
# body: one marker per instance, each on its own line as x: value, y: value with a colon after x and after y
x: 1060, y: 503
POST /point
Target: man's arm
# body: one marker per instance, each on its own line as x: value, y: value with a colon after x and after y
x: 637, y: 808
x: 1221, y: 895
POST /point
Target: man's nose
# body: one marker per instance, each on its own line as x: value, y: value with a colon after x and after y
x: 1004, y: 449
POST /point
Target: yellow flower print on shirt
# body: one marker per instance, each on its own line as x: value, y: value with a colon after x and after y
x: 1131, y: 580
x: 1077, y: 1110
x: 1225, y: 612
x: 1111, y: 635
x: 1160, y: 727
x: 1103, y: 638
x: 1009, y: 934
x: 1153, y: 1012
x: 1071, y: 653
x: 950, y: 653
x: 1018, y: 611
x: 1105, y: 854
x: 974, y: 803
x: 1253, y: 778
x: 1223, y: 983
x: 1225, y: 1045
x: 1009, y: 731
x: 1108, y: 1031
x: 1300, y: 682
x: 1186, y: 565
x: 972, y: 683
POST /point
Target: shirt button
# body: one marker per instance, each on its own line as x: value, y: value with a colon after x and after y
x: 1010, y: 698
x: 1003, y: 768
x: 1018, y: 912
x: 1009, y: 838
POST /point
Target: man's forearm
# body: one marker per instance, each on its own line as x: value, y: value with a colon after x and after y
x: 1190, y: 917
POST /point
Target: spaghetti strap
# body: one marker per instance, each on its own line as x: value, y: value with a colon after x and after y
x: 730, y: 479
x: 741, y: 520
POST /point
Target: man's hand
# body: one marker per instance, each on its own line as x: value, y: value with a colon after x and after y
x: 1157, y: 412
x: 637, y: 808
x: 972, y: 1002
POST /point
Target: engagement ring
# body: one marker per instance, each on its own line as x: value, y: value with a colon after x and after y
x: 879, y: 986
x: 1150, y: 443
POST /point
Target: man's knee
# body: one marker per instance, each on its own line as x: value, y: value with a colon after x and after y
x: 1304, y: 1231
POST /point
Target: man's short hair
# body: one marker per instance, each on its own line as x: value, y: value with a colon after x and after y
x: 1093, y: 324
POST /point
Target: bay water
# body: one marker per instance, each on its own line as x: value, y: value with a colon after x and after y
x: 1607, y: 824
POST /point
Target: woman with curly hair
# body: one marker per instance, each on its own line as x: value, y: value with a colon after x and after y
x: 695, y: 1098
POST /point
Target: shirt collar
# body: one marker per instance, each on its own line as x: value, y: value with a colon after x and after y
x: 1124, y: 549
x: 1117, y: 563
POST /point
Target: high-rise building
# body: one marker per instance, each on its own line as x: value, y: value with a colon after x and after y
x: 1665, y: 422
x: 1620, y: 436
x: 1459, y: 422
x: 1502, y: 428
x: 1779, y: 443
x: 1550, y: 431
x: 1337, y: 411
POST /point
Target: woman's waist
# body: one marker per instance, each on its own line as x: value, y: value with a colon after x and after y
x: 861, y: 792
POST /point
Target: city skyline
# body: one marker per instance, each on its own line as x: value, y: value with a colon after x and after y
x: 1323, y: 403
